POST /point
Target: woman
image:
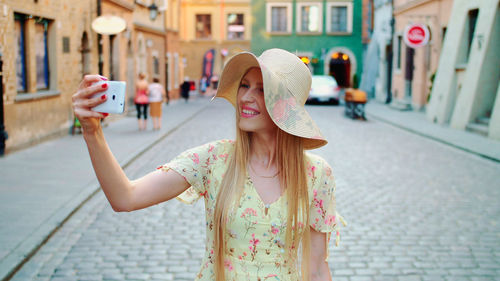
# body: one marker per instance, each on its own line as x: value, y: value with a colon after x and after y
x: 141, y: 100
x: 156, y: 95
x: 249, y: 185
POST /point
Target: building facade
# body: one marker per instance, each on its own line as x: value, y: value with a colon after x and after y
x: 211, y: 32
x: 148, y: 42
x: 466, y: 89
x: 46, y: 47
x: 413, y: 69
x: 326, y: 34
x: 173, y: 48
x: 377, y: 70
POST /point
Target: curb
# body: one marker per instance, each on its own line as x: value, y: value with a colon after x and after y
x: 440, y: 140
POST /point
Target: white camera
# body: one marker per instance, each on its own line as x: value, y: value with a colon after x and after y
x: 115, y: 93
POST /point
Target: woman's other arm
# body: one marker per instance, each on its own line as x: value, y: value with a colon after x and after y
x: 319, y: 267
x: 123, y: 194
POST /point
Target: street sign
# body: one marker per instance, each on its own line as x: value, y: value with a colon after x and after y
x: 416, y: 35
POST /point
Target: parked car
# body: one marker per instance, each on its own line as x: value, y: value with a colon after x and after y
x: 324, y: 89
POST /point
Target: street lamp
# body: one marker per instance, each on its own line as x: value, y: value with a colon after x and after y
x: 153, y: 11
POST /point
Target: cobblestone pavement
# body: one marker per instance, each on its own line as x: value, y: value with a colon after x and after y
x: 417, y: 210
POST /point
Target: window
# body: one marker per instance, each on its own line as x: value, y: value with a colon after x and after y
x: 235, y: 27
x: 42, y: 55
x: 398, y: 51
x: 21, y: 54
x: 339, y: 17
x: 279, y: 17
x: 472, y: 19
x: 156, y: 66
x: 310, y: 17
x: 38, y: 45
x: 203, y: 26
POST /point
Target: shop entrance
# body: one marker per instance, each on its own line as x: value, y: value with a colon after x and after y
x: 340, y: 68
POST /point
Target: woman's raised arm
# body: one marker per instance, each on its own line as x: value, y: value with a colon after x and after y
x: 122, y: 194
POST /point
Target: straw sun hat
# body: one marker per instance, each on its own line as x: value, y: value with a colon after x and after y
x: 287, y: 82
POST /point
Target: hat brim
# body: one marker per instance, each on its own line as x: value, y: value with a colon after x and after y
x: 280, y: 104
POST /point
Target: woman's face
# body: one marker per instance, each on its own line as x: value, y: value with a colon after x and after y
x: 251, y: 105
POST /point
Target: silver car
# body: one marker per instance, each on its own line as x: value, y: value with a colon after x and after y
x: 324, y: 89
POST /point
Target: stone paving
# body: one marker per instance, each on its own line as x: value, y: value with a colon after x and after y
x: 417, y: 210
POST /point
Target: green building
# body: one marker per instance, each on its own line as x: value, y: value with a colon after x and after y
x: 326, y: 34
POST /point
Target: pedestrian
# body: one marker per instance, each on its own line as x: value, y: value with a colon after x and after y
x: 141, y: 101
x: 265, y: 197
x: 157, y: 95
x: 185, y: 88
x: 203, y: 85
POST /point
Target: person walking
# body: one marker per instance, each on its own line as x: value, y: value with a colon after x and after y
x: 185, y: 88
x: 141, y: 101
x: 203, y: 85
x: 265, y: 196
x: 156, y: 96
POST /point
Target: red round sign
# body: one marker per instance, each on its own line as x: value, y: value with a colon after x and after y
x: 416, y: 35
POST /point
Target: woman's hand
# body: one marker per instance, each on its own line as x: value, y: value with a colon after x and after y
x: 83, y: 102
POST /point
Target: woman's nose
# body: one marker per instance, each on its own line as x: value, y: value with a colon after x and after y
x: 248, y: 96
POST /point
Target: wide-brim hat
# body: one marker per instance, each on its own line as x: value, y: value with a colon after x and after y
x: 287, y: 82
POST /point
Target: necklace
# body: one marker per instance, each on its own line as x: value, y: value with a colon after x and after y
x: 267, y: 177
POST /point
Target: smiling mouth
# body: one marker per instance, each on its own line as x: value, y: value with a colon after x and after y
x: 249, y: 112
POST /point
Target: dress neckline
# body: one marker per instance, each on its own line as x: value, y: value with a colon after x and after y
x: 266, y: 206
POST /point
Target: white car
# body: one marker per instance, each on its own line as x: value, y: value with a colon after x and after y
x: 324, y: 89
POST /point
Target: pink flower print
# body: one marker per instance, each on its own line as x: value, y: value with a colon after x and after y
x: 328, y: 171
x: 196, y: 158
x: 313, y: 168
x: 253, y: 246
x: 315, y: 192
x: 330, y: 220
x: 228, y: 265
x: 279, y: 111
x: 223, y: 156
x: 210, y: 148
x: 275, y: 230
x: 249, y: 212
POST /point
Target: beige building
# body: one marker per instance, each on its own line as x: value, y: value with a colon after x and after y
x: 223, y: 27
x: 435, y: 15
x: 148, y: 42
x: 466, y: 88
x: 173, y: 63
x: 46, y: 47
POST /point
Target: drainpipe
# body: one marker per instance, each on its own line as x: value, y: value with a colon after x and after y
x: 99, y: 40
x: 3, y: 133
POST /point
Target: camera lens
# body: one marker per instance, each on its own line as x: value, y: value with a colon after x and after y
x: 114, y: 97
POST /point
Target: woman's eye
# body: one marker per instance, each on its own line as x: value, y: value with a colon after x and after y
x: 244, y: 86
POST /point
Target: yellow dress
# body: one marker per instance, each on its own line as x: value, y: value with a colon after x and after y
x: 255, y: 240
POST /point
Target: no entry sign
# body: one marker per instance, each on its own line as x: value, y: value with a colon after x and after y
x: 416, y: 35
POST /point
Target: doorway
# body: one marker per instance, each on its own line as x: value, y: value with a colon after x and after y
x: 340, y: 68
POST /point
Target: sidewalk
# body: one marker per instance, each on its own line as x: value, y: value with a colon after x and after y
x: 41, y: 186
x: 417, y: 122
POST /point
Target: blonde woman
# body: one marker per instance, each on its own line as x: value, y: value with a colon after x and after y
x: 270, y: 206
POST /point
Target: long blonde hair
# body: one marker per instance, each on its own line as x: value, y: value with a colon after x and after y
x: 290, y: 157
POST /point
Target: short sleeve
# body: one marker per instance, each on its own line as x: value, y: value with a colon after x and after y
x: 195, y: 165
x: 323, y: 214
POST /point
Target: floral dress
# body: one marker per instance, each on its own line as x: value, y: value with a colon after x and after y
x: 255, y: 237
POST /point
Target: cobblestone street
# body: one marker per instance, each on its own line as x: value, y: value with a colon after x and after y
x: 416, y: 210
